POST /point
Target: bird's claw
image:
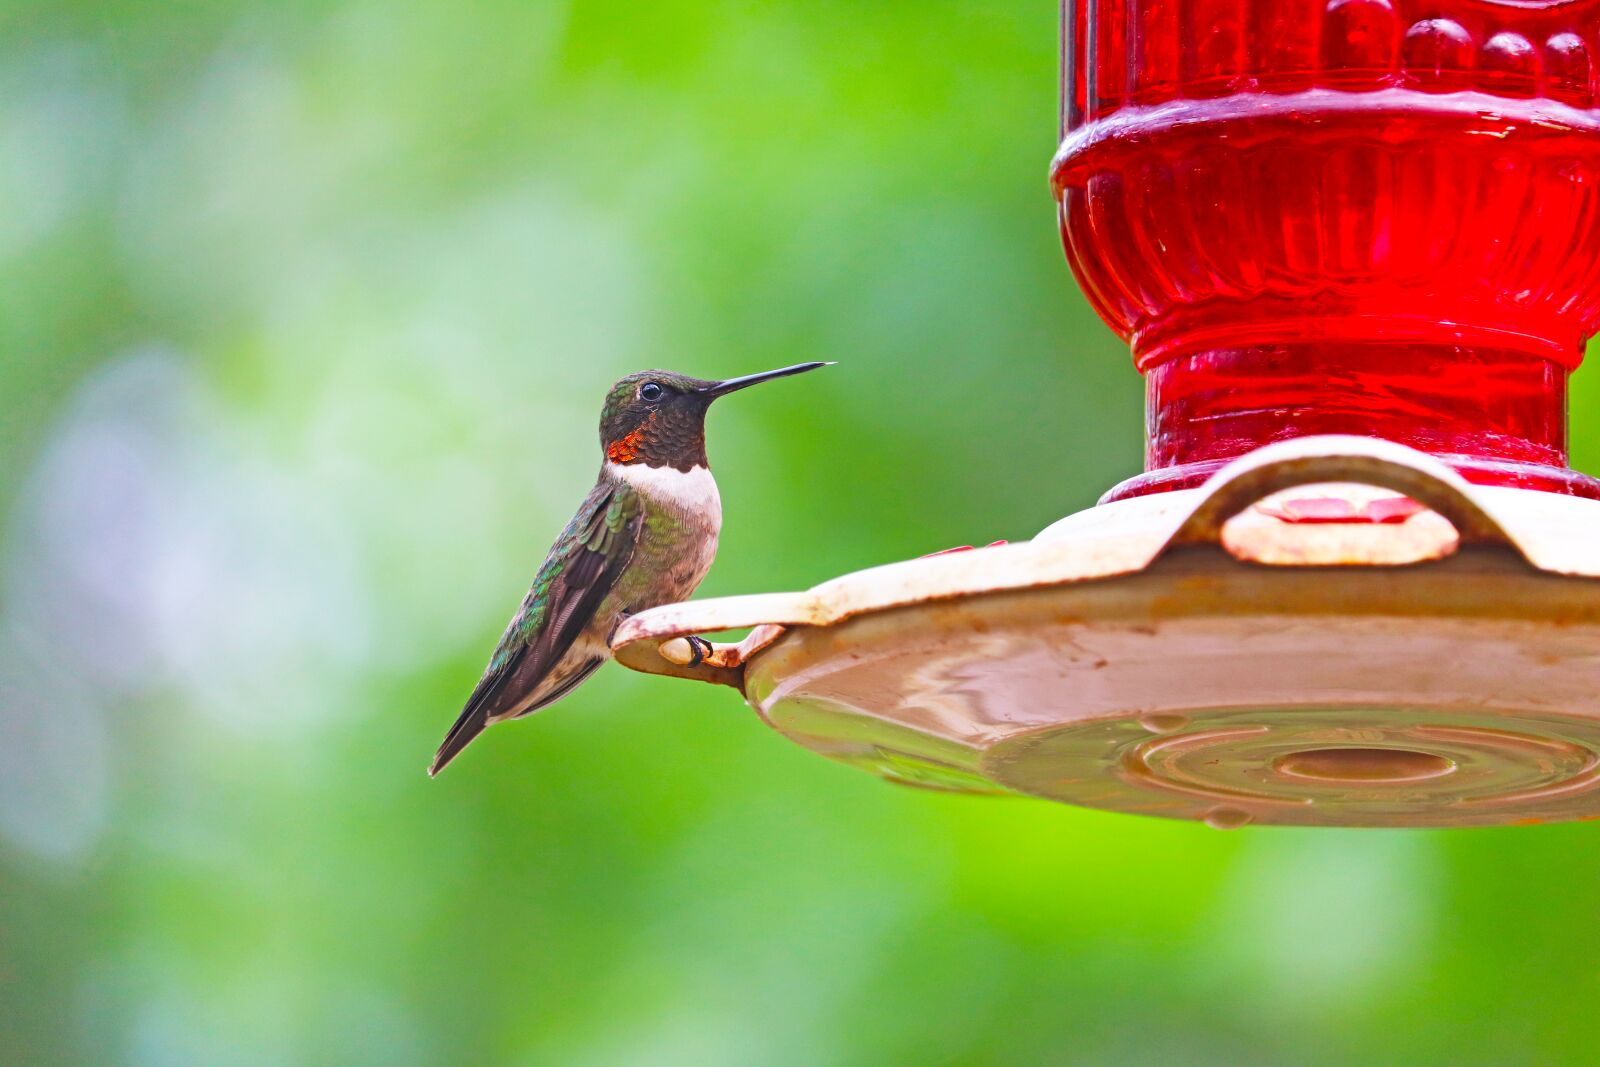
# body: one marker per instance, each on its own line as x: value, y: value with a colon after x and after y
x: 699, y: 649
x: 686, y: 651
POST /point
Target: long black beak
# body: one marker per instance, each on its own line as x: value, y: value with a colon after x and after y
x: 732, y: 385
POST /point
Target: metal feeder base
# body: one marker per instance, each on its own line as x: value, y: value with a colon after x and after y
x: 1226, y: 654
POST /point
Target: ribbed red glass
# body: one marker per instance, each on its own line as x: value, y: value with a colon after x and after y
x: 1378, y: 217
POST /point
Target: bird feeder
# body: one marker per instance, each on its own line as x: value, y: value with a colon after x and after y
x: 1354, y: 246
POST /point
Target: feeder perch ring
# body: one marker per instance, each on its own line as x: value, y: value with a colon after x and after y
x: 1329, y: 631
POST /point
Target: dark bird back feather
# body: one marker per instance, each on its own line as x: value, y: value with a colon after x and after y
x: 567, y: 592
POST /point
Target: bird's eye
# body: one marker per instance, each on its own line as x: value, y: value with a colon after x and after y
x: 651, y: 391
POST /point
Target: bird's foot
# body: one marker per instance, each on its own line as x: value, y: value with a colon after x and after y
x: 689, y: 651
x: 699, y: 649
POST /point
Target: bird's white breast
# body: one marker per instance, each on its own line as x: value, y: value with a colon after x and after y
x: 692, y: 492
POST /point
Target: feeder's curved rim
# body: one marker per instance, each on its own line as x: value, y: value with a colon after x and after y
x: 1519, y: 521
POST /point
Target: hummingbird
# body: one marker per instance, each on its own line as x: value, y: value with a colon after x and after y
x: 645, y: 535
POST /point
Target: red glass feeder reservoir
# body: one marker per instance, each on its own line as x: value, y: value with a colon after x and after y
x: 1378, y: 217
x: 1354, y: 246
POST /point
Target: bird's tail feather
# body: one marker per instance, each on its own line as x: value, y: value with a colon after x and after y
x: 468, y: 726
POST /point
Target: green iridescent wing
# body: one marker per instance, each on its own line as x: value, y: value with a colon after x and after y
x: 580, y: 570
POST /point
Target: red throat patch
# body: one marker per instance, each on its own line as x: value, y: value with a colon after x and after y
x: 627, y: 449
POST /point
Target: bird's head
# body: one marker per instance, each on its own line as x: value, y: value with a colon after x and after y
x: 658, y: 418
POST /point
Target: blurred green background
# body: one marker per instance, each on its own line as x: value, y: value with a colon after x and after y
x: 306, y: 310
